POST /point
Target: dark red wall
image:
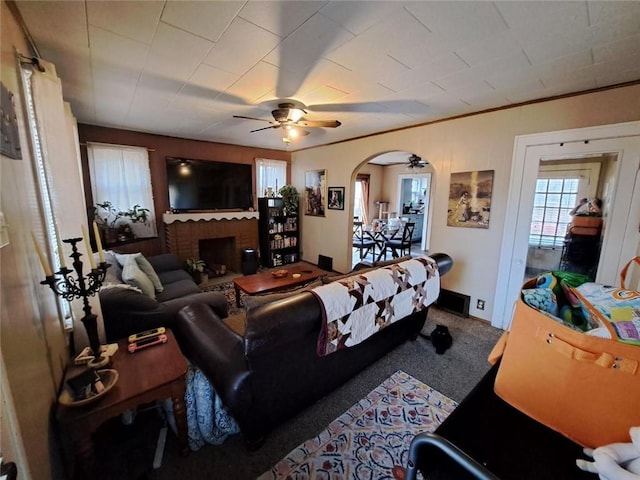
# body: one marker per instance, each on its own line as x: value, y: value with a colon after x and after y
x: 160, y: 147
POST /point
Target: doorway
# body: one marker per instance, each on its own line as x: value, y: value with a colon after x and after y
x: 621, y: 239
x: 557, y: 241
x: 413, y: 204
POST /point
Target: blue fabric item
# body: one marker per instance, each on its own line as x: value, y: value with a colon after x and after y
x: 208, y: 421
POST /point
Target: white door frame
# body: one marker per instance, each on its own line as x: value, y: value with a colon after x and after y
x: 623, y: 139
x: 424, y: 243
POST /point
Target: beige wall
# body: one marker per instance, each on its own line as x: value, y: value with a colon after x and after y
x: 32, y: 344
x: 480, y: 142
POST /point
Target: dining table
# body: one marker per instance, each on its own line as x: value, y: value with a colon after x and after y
x: 380, y: 237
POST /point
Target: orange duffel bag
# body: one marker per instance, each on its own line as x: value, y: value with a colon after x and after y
x: 585, y: 387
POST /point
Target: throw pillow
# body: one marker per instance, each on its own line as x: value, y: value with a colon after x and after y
x: 133, y: 275
x: 114, y: 272
x: 145, y: 266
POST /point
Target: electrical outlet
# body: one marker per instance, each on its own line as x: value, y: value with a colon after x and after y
x: 480, y: 304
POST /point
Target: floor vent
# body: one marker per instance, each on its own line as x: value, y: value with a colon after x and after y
x: 454, y: 302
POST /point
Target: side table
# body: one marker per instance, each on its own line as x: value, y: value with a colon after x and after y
x: 154, y: 373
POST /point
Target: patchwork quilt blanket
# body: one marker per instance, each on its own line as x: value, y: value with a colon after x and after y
x: 358, y: 306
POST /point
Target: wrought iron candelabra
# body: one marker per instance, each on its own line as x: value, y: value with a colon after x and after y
x: 70, y: 288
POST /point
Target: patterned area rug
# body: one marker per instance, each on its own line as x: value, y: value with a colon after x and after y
x: 227, y: 289
x: 370, y: 440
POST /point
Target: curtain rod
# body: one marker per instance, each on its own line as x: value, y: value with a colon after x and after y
x: 31, y: 61
x: 84, y: 144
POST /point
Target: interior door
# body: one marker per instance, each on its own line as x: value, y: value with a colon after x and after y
x: 619, y: 244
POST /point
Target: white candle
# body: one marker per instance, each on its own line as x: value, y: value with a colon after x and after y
x: 60, y: 251
x: 85, y: 237
x: 43, y: 260
x: 96, y: 232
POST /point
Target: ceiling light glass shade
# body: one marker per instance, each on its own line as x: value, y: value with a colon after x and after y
x: 184, y: 169
x: 295, y: 114
x: 292, y: 132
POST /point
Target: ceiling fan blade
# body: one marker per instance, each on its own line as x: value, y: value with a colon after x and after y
x: 319, y: 123
x: 265, y: 128
x: 252, y: 118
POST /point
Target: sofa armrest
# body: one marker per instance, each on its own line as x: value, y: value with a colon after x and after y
x: 217, y: 350
x: 126, y: 311
x: 166, y: 262
x: 444, y: 261
x: 269, y: 330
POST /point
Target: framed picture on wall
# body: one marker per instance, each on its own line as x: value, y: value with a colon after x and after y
x: 470, y: 199
x: 336, y: 198
x: 315, y: 186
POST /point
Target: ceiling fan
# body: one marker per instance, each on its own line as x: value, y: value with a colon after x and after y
x: 290, y: 118
x: 416, y: 162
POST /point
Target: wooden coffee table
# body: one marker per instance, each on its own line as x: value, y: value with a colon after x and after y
x: 265, y: 282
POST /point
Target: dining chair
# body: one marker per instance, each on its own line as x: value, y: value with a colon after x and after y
x: 399, y: 245
x: 362, y: 241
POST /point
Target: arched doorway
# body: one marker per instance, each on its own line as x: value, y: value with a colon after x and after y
x: 385, y: 188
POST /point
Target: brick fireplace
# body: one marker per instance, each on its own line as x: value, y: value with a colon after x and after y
x: 212, y: 237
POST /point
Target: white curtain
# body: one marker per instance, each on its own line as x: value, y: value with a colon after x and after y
x: 270, y: 174
x: 57, y: 165
x: 120, y: 174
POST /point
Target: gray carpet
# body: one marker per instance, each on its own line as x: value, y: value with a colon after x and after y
x: 454, y: 374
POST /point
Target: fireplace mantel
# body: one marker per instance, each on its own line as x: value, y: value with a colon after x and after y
x: 184, y: 232
x: 169, y: 218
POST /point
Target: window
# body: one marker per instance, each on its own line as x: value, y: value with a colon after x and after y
x: 120, y: 175
x: 361, y: 198
x: 270, y: 174
x: 554, y: 198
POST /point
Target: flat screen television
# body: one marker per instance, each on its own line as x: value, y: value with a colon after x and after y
x: 208, y: 185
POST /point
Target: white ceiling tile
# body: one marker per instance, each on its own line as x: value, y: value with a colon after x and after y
x: 461, y: 23
x: 563, y: 69
x: 279, y: 17
x: 205, y: 19
x: 176, y: 53
x: 324, y: 94
x: 211, y: 78
x: 256, y: 82
x: 111, y: 50
x: 358, y: 16
x: 132, y: 19
x: 241, y: 47
x: 616, y: 50
x: 46, y: 20
x: 542, y: 18
x: 305, y: 46
x: 607, y: 11
x: 504, y: 43
x: 437, y: 68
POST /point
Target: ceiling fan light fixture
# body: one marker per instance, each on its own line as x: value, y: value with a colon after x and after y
x: 416, y: 162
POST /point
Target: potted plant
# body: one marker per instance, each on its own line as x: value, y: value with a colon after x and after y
x: 195, y: 267
x: 107, y: 216
x: 138, y: 214
x: 109, y: 219
x: 290, y: 197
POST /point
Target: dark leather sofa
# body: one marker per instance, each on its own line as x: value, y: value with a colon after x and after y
x: 272, y: 370
x: 126, y: 311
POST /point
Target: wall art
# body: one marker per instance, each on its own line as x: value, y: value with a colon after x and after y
x: 470, y: 199
x: 315, y: 185
x: 336, y: 198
